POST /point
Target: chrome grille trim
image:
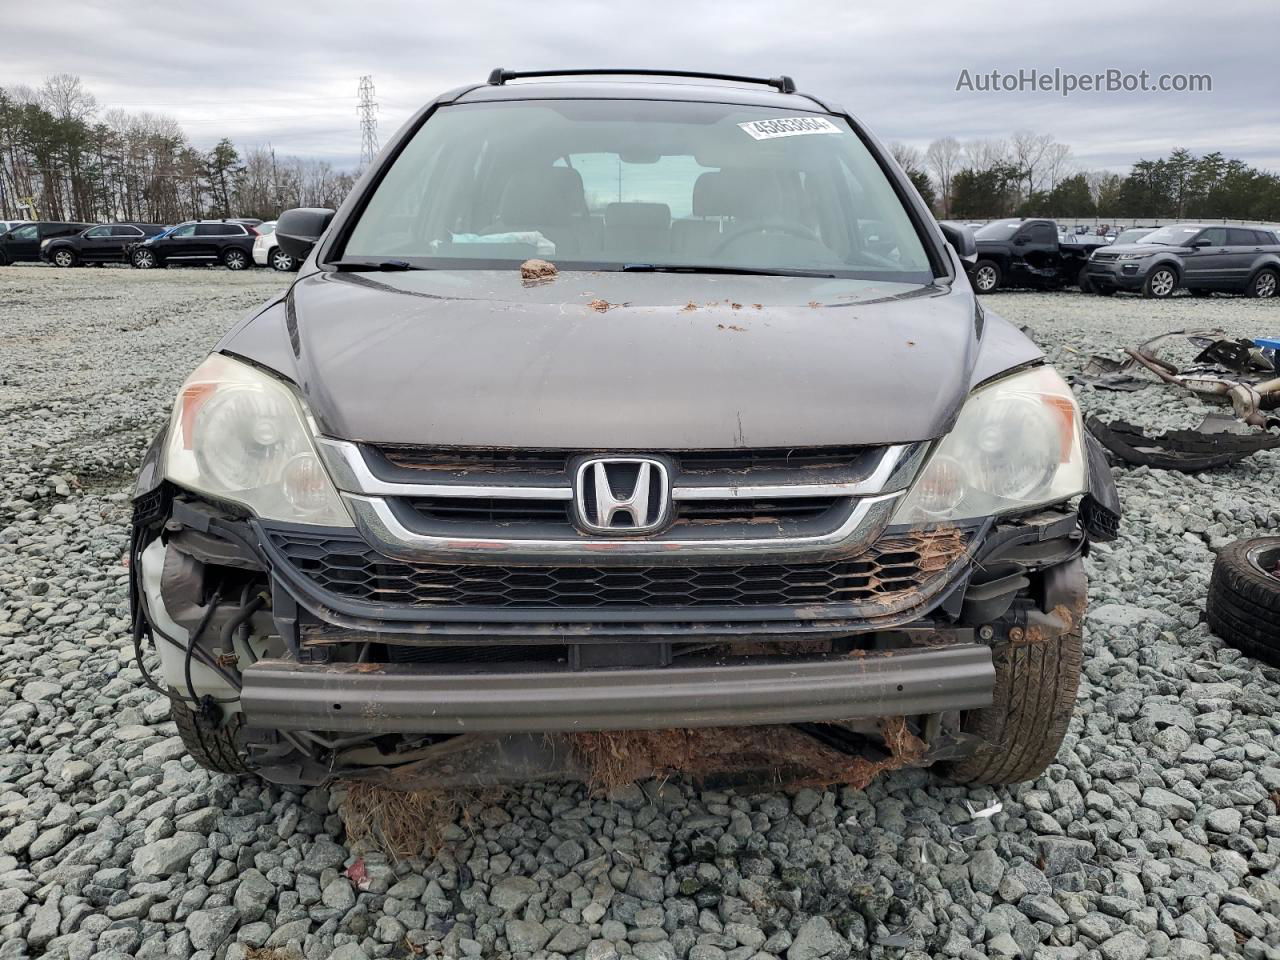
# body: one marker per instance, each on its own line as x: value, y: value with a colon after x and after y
x: 379, y: 525
x: 351, y: 474
x: 377, y: 506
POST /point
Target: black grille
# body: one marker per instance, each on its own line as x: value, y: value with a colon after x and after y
x: 348, y: 567
x: 502, y: 461
x: 490, y: 510
x: 754, y: 510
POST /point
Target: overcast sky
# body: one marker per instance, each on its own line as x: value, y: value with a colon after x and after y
x: 285, y: 72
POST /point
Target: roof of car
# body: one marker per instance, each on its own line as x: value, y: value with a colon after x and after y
x: 642, y: 88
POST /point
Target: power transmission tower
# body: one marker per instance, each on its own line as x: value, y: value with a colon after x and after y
x: 368, y: 112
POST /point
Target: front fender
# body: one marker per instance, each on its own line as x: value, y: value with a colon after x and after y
x: 151, y: 473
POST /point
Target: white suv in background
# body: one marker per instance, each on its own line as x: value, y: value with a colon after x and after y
x: 266, y: 252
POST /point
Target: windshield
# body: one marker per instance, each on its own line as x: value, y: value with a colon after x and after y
x: 612, y: 183
x: 1132, y: 236
x: 1172, y: 236
x: 266, y: 229
x: 998, y: 230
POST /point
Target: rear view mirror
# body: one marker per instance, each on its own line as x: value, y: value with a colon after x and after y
x: 298, y: 230
x: 961, y: 239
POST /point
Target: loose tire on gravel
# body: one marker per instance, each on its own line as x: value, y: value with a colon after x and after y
x: 214, y: 750
x: 986, y: 276
x: 1035, y: 696
x: 1244, y: 598
x: 1160, y: 283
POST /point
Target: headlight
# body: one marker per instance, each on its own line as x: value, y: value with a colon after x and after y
x: 1133, y: 256
x: 240, y: 434
x: 1016, y: 445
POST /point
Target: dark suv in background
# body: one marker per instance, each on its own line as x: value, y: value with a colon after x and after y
x: 23, y: 243
x: 105, y: 243
x: 443, y: 512
x: 1201, y: 257
x: 228, y: 242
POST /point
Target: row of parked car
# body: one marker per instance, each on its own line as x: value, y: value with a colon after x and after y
x: 236, y: 244
x: 1201, y: 258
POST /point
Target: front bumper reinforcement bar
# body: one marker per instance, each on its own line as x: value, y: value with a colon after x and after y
x: 402, y: 698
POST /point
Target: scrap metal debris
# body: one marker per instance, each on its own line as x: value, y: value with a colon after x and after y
x: 602, y: 306
x: 538, y: 271
x: 985, y: 812
x: 1238, y: 371
x: 1208, y: 445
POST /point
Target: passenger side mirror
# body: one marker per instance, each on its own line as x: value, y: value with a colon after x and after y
x: 961, y: 239
x: 298, y: 230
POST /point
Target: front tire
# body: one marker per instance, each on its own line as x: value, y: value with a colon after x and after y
x: 1160, y: 283
x: 235, y: 259
x: 64, y: 258
x: 214, y: 749
x: 1035, y: 696
x: 1244, y: 598
x: 986, y: 276
x: 1264, y: 284
x: 281, y: 261
x: 144, y: 260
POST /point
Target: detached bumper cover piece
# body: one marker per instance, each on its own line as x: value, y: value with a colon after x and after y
x: 359, y: 698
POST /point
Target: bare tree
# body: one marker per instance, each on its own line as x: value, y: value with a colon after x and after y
x: 66, y: 98
x: 985, y: 154
x: 1058, y: 164
x: 942, y: 159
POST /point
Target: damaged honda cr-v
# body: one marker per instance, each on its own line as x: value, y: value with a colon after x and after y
x: 742, y: 480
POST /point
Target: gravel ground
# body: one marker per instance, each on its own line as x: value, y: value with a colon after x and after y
x: 1156, y: 833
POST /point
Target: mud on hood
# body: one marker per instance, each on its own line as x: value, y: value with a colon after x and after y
x: 624, y: 361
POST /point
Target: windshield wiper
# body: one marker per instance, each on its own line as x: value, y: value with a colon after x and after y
x: 744, y: 271
x: 373, y: 266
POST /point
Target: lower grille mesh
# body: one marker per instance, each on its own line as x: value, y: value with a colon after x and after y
x: 892, y: 568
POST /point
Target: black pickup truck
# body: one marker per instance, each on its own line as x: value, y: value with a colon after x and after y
x: 1023, y: 252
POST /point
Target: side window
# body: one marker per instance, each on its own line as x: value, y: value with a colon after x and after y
x: 1043, y: 233
x: 1217, y: 236
x: 1241, y: 238
x: 188, y: 231
x: 207, y: 229
x: 125, y: 231
x: 25, y: 233
x: 98, y: 232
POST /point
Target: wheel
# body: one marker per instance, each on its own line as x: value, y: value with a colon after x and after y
x: 1201, y: 292
x: 1035, y: 695
x: 233, y: 258
x: 214, y: 750
x: 64, y: 257
x: 1082, y: 280
x: 1244, y: 598
x: 281, y: 261
x: 1160, y: 283
x: 1263, y: 284
x: 986, y: 276
x: 144, y: 259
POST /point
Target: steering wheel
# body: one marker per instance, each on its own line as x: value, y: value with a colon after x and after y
x: 790, y: 229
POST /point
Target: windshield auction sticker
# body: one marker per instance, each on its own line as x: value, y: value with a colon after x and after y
x: 788, y: 127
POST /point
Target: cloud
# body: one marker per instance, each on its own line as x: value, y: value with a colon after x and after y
x: 286, y: 72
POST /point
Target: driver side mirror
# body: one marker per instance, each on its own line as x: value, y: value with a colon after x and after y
x: 1201, y: 242
x: 297, y: 230
x: 961, y: 239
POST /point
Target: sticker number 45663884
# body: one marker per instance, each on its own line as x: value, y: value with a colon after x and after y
x: 788, y: 127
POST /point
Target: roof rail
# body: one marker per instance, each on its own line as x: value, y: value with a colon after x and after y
x: 498, y: 77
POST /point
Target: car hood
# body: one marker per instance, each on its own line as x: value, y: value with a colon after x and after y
x: 625, y: 361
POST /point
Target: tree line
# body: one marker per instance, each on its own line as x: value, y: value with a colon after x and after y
x: 1032, y: 175
x: 63, y: 158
